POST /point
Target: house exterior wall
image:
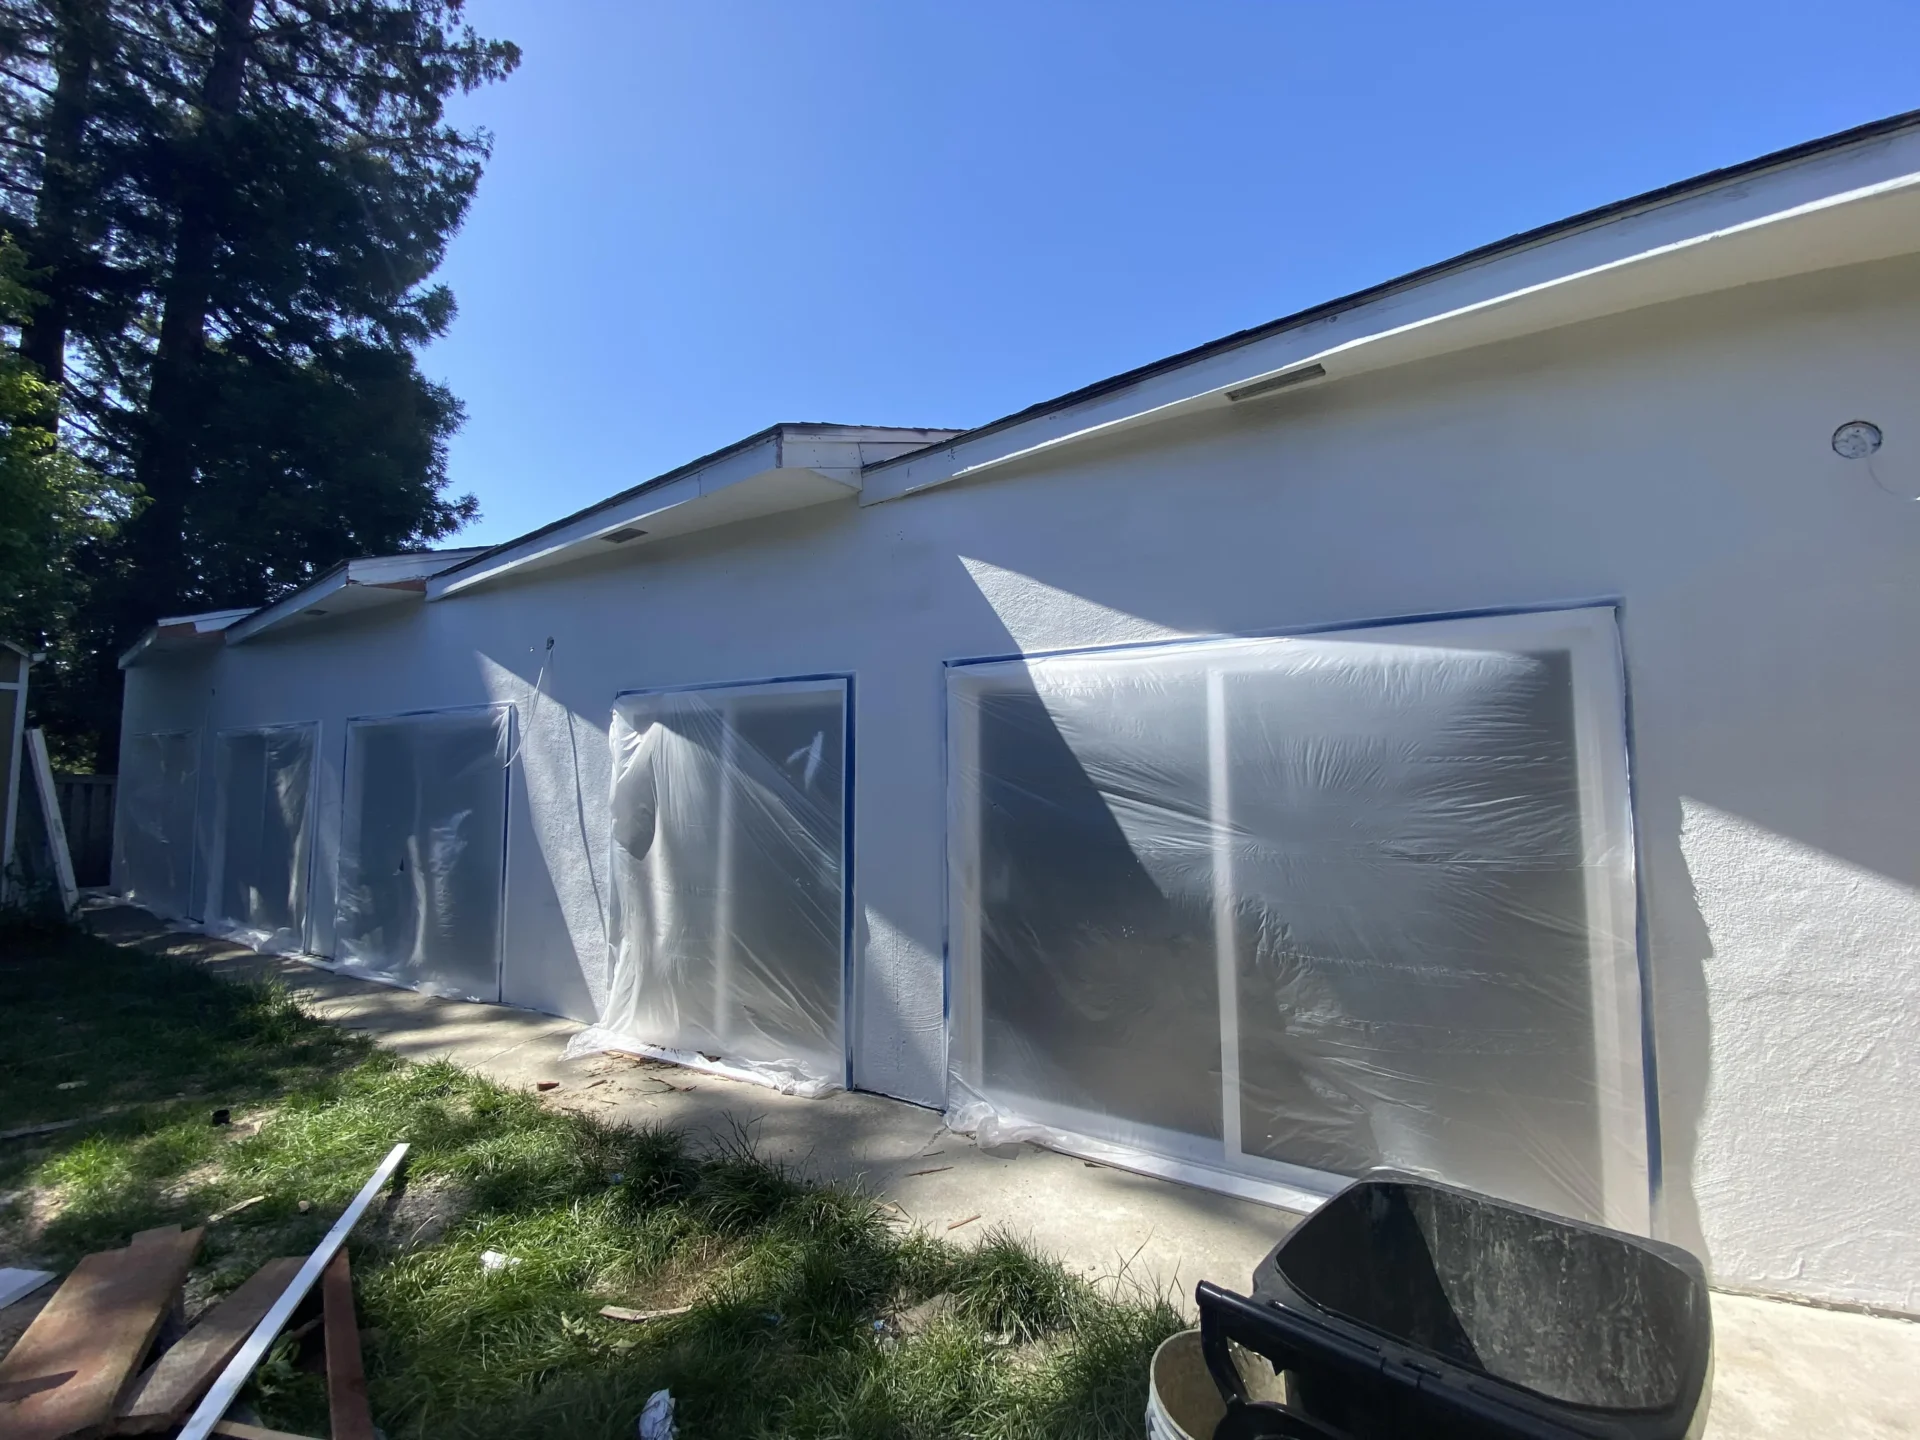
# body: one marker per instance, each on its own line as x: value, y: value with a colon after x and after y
x: 1675, y: 460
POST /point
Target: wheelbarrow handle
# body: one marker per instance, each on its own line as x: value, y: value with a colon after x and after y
x: 1226, y: 1317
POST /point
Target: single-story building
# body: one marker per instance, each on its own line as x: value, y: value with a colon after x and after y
x: 1467, y: 726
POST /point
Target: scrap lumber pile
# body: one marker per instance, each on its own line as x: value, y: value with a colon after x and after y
x: 89, y: 1364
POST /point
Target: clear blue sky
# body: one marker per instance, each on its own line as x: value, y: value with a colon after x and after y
x: 705, y: 216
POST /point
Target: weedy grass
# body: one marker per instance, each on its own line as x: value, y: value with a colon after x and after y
x: 795, y: 1289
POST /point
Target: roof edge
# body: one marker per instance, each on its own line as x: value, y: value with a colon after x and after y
x: 774, y: 432
x: 1512, y: 244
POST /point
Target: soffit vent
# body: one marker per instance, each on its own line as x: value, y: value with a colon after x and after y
x: 1285, y: 381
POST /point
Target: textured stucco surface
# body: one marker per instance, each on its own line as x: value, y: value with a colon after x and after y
x: 1675, y: 460
x: 1804, y: 988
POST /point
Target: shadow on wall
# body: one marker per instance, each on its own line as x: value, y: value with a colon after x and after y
x: 1767, y: 593
x: 1777, y: 805
x: 556, y: 952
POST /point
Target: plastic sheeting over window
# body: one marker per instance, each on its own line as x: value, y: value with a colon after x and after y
x: 1265, y: 913
x: 263, y: 835
x: 159, y: 796
x: 422, y: 850
x: 728, y: 921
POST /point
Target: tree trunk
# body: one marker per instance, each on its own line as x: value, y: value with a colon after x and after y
x: 164, y: 466
x: 56, y: 249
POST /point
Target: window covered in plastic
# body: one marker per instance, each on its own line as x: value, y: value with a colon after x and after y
x: 422, y: 850
x: 728, y: 914
x: 159, y: 796
x: 1294, y: 908
x: 263, y: 835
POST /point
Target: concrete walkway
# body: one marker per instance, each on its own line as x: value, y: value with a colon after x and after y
x: 1781, y: 1371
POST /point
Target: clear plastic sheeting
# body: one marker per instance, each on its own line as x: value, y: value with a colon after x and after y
x: 159, y: 795
x: 728, y: 921
x: 263, y: 836
x: 422, y: 850
x: 1283, y: 910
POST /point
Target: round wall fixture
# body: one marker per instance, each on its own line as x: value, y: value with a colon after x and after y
x: 1856, y: 440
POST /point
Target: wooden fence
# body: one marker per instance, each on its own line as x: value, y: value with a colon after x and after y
x: 86, y: 809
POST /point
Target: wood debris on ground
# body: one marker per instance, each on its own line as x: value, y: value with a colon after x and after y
x: 174, y: 1383
x: 73, y: 1365
x: 88, y: 1363
x: 49, y: 1127
x: 236, y: 1430
x: 346, y: 1376
x: 234, y: 1209
x: 638, y: 1317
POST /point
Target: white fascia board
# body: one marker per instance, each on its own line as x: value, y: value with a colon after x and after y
x: 401, y: 569
x: 288, y: 606
x: 1876, y: 224
x: 365, y: 584
x: 553, y: 545
x: 181, y: 632
x: 1662, y: 253
x: 774, y: 475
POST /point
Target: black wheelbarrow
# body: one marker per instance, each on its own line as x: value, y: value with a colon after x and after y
x: 1404, y: 1308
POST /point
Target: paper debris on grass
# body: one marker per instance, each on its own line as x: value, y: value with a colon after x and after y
x: 18, y: 1284
x: 493, y: 1260
x: 656, y: 1419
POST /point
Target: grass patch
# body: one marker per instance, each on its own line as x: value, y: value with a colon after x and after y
x: 796, y: 1289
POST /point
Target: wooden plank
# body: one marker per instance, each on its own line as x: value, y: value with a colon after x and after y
x: 51, y: 823
x: 217, y: 1401
x: 641, y: 1317
x: 352, y: 1419
x: 73, y: 1364
x: 48, y: 1127
x: 21, y: 1132
x: 234, y: 1430
x: 174, y: 1384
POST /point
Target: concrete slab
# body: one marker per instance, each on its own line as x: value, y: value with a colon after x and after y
x: 1782, y: 1371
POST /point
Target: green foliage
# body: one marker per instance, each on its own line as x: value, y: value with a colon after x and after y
x: 51, y: 503
x: 796, y: 1291
x: 233, y: 210
x: 1005, y: 1289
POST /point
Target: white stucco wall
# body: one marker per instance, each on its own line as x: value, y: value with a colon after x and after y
x: 1676, y: 459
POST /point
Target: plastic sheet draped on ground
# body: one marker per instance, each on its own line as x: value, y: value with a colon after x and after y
x: 263, y: 836
x: 159, y: 797
x: 1292, y: 908
x: 728, y: 917
x: 422, y: 848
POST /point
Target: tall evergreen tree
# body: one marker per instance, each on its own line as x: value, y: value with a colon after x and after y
x: 234, y: 209
x: 51, y: 503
